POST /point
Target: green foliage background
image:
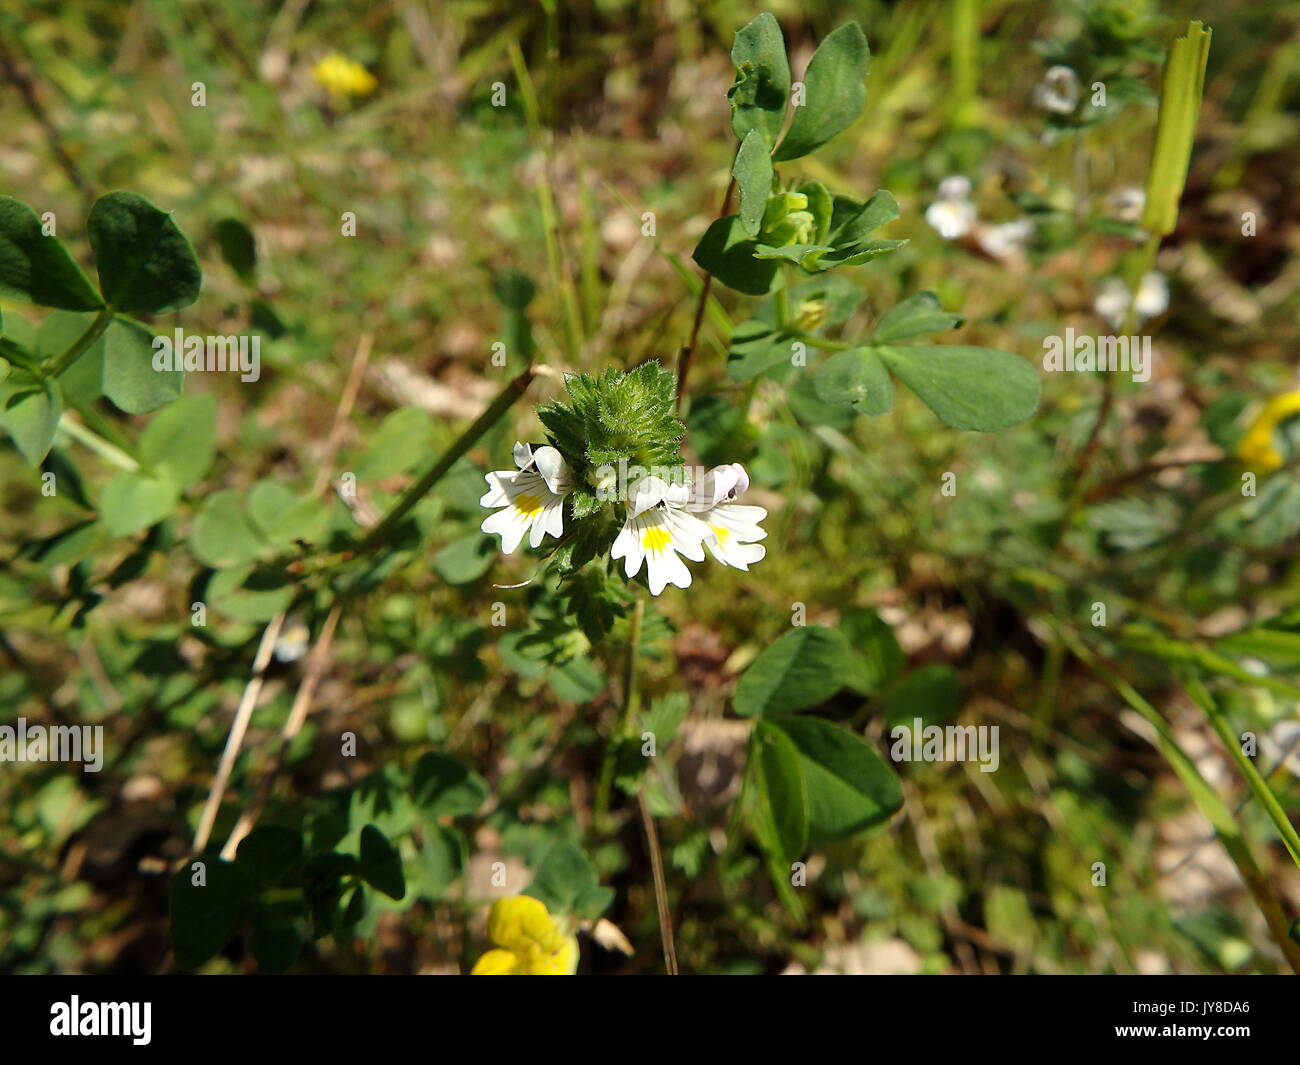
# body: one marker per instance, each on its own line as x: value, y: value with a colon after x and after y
x: 480, y: 743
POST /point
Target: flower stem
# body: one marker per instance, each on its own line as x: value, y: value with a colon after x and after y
x: 631, y: 700
x: 502, y: 403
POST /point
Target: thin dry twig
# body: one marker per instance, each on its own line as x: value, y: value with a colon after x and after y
x: 253, y: 689
x: 661, y: 887
x: 302, y: 701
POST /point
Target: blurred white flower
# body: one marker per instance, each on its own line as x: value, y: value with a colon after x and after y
x: 955, y: 187
x: 1127, y: 203
x: 952, y: 214
x: 1006, y: 240
x: 1112, y: 301
x: 1152, y: 296
x: 1113, y: 298
x: 532, y: 497
x: 1058, y: 91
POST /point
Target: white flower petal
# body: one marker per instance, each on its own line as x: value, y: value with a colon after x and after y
x: 523, y: 455
x: 497, y: 494
x: 664, y: 568
x: 646, y: 493
x: 742, y: 480
x: 555, y: 472
x: 736, y: 554
x: 509, y: 525
x: 688, y: 534
x: 713, y: 487
x: 526, y: 504
x: 555, y: 519
x: 627, y: 546
x: 740, y: 514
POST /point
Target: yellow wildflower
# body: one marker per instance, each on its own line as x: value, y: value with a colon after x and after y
x: 1258, y: 447
x: 341, y: 77
x: 529, y: 941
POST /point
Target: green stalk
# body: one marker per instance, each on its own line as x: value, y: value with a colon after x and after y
x: 631, y: 701
x: 502, y: 403
x: 93, y: 332
x: 781, y: 301
x: 97, y: 444
x: 1180, y: 106
x: 965, y: 40
x: 1202, y: 697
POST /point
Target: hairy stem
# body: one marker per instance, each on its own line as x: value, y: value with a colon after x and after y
x: 504, y: 400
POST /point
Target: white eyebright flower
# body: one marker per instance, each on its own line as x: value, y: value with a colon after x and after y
x: 658, y: 530
x: 733, y: 529
x: 532, y: 497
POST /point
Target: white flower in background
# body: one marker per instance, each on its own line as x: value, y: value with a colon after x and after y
x: 1113, y: 299
x: 533, y: 497
x: 657, y: 531
x: 1058, y: 91
x: 1127, y: 203
x: 1152, y: 296
x: 1007, y: 240
x: 952, y: 214
x: 733, y: 527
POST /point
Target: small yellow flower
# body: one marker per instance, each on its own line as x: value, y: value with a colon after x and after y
x: 341, y: 77
x: 529, y: 941
x: 1258, y: 448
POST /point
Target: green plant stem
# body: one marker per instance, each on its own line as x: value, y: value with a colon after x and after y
x: 100, y: 446
x: 93, y: 332
x: 965, y: 75
x: 781, y: 301
x: 1078, y: 483
x: 687, y: 354
x: 1202, y: 697
x: 631, y: 700
x: 1207, y: 800
x: 502, y: 403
